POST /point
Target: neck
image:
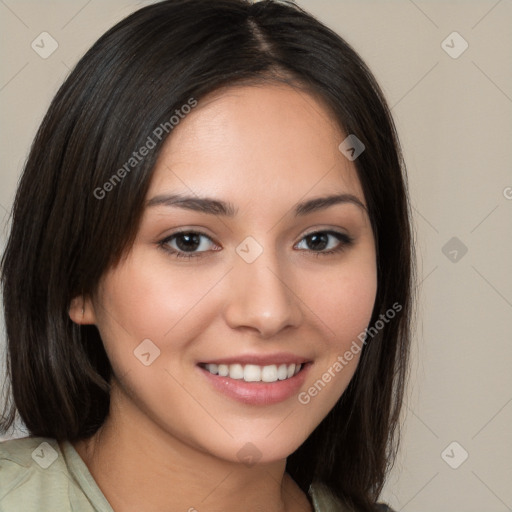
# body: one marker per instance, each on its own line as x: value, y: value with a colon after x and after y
x: 139, y: 466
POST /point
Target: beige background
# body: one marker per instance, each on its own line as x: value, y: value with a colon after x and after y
x: 454, y: 117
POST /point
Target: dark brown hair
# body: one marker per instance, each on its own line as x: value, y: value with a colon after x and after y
x: 64, y: 238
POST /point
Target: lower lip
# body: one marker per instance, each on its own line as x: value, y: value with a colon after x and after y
x: 258, y: 393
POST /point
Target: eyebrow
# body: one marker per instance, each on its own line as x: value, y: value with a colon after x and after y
x: 216, y: 207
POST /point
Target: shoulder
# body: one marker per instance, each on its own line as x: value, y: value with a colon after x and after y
x: 19, y: 451
x: 29, y: 456
x: 33, y: 475
x: 324, y: 500
x: 382, y: 507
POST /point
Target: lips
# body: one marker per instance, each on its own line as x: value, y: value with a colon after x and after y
x: 257, y: 379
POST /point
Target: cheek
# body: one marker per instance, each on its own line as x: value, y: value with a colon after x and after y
x: 350, y: 308
x: 148, y: 317
x: 147, y: 301
x: 343, y: 300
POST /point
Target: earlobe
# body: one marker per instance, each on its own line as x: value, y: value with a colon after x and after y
x: 81, y: 311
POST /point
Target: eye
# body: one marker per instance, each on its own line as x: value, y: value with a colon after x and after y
x: 319, y: 241
x: 190, y: 244
x: 187, y: 244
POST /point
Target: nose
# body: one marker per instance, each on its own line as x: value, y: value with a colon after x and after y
x: 261, y: 297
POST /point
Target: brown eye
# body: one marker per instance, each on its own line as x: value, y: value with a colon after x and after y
x: 185, y: 244
x: 326, y: 242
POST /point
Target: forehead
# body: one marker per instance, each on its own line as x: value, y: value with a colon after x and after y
x: 249, y: 142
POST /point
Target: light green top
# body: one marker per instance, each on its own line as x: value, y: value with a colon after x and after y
x: 39, y: 474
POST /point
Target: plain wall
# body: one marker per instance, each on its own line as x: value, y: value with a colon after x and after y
x: 454, y: 119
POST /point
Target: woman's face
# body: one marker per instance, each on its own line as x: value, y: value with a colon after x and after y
x: 267, y: 281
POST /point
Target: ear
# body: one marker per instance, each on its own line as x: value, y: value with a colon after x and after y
x: 81, y: 310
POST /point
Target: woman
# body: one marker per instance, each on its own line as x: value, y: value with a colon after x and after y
x: 207, y: 285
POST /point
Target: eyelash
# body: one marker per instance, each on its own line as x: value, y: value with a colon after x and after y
x: 344, y: 239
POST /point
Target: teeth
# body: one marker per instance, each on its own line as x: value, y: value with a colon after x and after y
x: 236, y: 371
x: 269, y: 373
x: 253, y: 372
x: 282, y: 372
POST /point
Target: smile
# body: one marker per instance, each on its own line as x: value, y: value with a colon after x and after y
x: 257, y: 384
x: 253, y: 372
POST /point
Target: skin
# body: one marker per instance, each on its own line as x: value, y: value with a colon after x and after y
x: 171, y: 439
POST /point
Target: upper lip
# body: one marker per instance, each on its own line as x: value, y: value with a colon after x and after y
x: 259, y: 359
